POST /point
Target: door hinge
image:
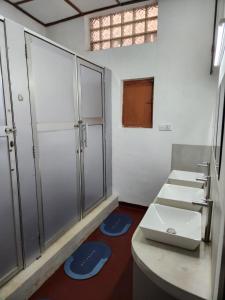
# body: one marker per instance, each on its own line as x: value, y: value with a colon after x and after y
x: 33, y: 151
x: 39, y: 238
x: 26, y: 51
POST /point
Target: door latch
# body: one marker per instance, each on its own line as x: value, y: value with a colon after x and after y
x: 9, y: 130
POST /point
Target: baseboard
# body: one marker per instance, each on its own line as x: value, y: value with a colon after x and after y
x: 132, y: 205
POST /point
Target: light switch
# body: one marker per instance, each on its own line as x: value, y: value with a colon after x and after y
x: 165, y: 127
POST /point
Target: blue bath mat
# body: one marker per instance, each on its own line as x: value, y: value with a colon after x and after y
x: 87, y: 260
x: 116, y: 224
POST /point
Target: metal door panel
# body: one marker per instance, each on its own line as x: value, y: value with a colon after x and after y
x: 2, y: 107
x: 58, y: 177
x: 92, y: 133
x: 25, y: 161
x: 93, y: 167
x: 54, y: 87
x: 54, y: 114
x: 8, y: 248
x: 10, y: 235
x: 91, y: 93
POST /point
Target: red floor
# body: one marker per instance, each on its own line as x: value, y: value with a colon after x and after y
x: 114, y: 282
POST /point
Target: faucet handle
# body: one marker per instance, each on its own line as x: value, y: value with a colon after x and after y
x: 204, y: 179
x: 203, y: 202
x: 205, y: 164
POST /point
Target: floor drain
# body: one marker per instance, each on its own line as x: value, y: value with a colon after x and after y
x: 171, y: 231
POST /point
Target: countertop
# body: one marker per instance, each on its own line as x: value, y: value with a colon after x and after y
x: 184, y: 274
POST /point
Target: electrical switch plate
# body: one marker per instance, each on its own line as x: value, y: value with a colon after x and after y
x: 165, y: 127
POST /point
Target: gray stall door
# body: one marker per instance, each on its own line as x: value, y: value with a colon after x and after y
x: 51, y: 83
x: 10, y: 240
x: 91, y: 109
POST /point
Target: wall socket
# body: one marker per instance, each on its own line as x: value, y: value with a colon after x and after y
x: 165, y: 127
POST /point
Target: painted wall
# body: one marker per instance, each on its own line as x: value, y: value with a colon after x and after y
x: 183, y: 96
x: 10, y: 12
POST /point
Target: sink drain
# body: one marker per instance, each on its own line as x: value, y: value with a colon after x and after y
x: 171, y: 231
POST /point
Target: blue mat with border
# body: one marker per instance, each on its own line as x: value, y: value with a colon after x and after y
x: 116, y: 224
x: 87, y: 260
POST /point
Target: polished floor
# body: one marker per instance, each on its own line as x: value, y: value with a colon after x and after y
x: 114, y: 282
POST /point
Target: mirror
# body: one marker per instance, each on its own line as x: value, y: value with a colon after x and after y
x: 219, y: 125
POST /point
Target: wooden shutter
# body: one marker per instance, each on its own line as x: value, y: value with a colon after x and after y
x: 138, y: 103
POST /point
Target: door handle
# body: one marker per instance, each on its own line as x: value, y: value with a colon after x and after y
x: 85, y: 134
x: 83, y: 128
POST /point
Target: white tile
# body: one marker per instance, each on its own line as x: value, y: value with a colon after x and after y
x: 49, y: 10
x: 88, y: 5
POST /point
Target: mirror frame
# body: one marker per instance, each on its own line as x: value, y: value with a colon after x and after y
x: 219, y: 126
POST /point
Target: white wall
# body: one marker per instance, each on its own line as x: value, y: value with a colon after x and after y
x: 10, y: 12
x: 184, y: 92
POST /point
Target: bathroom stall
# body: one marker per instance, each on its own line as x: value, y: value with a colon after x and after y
x: 67, y: 112
x: 55, y: 135
x: 92, y: 128
x: 58, y: 106
x: 10, y: 234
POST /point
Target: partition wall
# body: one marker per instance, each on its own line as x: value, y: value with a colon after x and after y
x: 10, y: 231
x: 55, y: 143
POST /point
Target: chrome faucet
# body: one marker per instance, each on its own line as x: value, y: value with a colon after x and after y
x: 205, y: 164
x: 209, y: 204
x: 207, y: 185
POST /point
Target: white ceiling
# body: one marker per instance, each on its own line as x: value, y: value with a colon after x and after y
x: 87, y: 5
x: 50, y: 11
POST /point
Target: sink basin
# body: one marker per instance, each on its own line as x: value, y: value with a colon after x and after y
x: 185, y: 178
x: 174, y: 226
x: 180, y: 196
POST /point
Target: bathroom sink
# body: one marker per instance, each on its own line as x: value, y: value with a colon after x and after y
x: 174, y: 226
x: 186, y: 178
x: 180, y: 196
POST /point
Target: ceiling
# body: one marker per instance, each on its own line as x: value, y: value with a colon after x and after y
x: 51, y: 12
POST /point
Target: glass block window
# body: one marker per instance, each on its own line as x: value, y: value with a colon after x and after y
x: 130, y: 27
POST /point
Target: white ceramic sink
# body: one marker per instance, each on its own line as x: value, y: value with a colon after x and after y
x: 185, y: 178
x: 180, y: 196
x: 174, y: 226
